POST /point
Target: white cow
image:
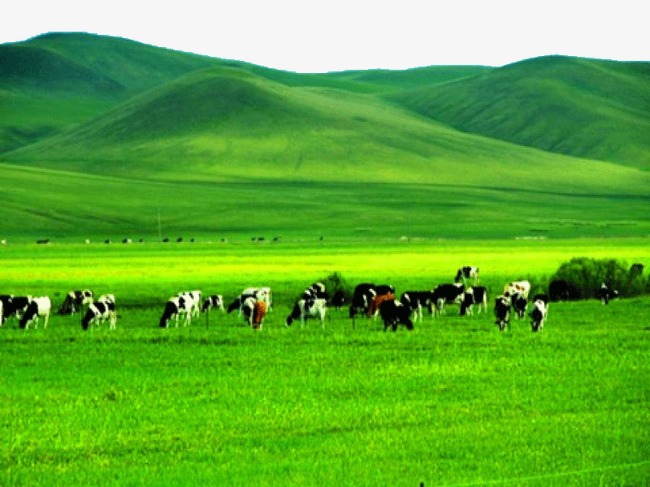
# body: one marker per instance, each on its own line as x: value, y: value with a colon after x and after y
x: 520, y: 287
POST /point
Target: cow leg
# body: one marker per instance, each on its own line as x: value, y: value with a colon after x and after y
x: 47, y: 317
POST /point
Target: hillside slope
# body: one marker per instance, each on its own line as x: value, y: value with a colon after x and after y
x: 586, y: 108
x: 224, y: 124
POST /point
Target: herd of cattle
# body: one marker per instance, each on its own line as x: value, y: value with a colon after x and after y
x: 252, y: 304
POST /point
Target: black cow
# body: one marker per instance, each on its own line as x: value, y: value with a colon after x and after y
x: 447, y: 294
x: 605, y: 294
x: 502, y: 311
x: 416, y: 300
x: 474, y: 295
x: 338, y: 299
x: 74, y: 300
x: 467, y: 272
x: 519, y: 304
x: 394, y: 313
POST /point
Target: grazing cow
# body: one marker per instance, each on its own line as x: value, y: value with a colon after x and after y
x: 394, y: 313
x: 312, y: 293
x: 258, y: 293
x: 560, y: 290
x: 521, y: 287
x: 213, y: 301
x: 447, y: 294
x: 519, y: 304
x: 416, y: 300
x: 192, y: 301
x: 254, y: 311
x: 74, y: 301
x: 376, y: 301
x: 101, y: 311
x: 338, y: 299
x: 538, y: 315
x: 474, y: 295
x: 37, y: 307
x: 605, y: 294
x: 467, y: 272
x: 502, y: 311
x: 316, y: 309
x: 176, y: 307
x: 361, y: 298
x: 14, y: 306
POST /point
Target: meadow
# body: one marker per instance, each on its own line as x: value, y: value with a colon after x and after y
x: 455, y: 402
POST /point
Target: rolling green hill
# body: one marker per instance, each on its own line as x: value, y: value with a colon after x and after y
x: 582, y: 107
x: 312, y: 153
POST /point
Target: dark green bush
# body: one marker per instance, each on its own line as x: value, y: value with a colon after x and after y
x: 585, y: 276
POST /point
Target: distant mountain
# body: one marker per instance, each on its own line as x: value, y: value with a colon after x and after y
x: 554, y: 144
x: 582, y: 107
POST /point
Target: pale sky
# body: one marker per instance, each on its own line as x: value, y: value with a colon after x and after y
x: 334, y: 35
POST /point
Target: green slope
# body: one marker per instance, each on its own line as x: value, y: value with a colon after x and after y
x: 586, y: 108
x: 57, y: 81
x: 227, y: 124
x: 59, y: 205
x: 316, y: 153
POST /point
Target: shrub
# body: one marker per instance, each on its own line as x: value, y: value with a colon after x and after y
x: 585, y: 275
x: 336, y: 282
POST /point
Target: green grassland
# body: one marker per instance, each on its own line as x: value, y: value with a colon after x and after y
x: 455, y: 402
x: 281, y: 179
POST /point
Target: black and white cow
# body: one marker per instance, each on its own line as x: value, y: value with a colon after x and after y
x: 447, y: 294
x: 519, y: 304
x: 176, y: 308
x: 74, y: 301
x: 417, y: 300
x: 474, y: 295
x: 303, y: 309
x: 538, y: 315
x: 394, y: 313
x: 213, y: 301
x: 38, y: 307
x: 502, y: 311
x: 605, y: 294
x: 361, y: 299
x: 258, y: 293
x: 14, y: 306
x: 467, y: 272
x: 100, y: 311
x: 311, y: 294
x: 192, y: 301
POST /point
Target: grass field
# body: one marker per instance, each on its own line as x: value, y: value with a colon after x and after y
x: 453, y: 403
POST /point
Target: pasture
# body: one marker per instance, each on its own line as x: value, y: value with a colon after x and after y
x: 455, y: 402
